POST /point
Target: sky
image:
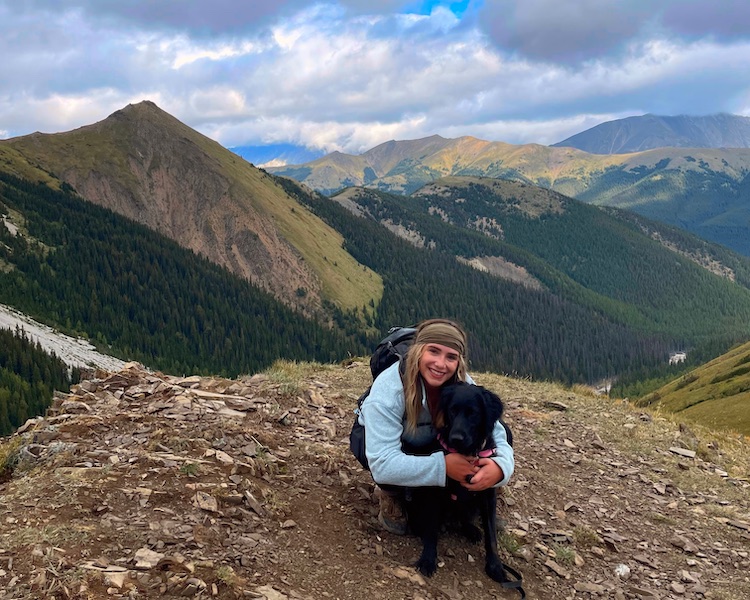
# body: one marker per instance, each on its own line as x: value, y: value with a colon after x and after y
x: 348, y: 75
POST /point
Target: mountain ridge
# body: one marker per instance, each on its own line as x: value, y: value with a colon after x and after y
x: 701, y: 190
x: 502, y: 209
x: 558, y: 324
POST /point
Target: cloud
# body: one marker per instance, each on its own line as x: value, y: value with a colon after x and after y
x: 545, y: 131
x: 345, y: 76
x: 562, y: 32
x: 55, y: 112
x: 201, y: 18
x: 725, y: 20
x: 582, y: 30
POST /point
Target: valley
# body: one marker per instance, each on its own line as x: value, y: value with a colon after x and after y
x: 197, y: 262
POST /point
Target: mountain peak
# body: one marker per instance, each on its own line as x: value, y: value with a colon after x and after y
x: 142, y: 107
x: 145, y: 164
x: 147, y: 111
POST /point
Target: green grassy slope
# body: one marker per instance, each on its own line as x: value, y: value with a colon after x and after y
x: 716, y: 394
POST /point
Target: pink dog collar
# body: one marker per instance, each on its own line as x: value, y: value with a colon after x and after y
x: 486, y: 453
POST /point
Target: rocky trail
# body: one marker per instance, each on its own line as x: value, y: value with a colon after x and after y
x: 145, y: 485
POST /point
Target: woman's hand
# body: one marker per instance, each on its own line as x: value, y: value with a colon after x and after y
x: 487, y: 473
x: 460, y: 467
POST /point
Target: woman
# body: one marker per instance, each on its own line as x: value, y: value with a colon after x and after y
x: 398, y: 414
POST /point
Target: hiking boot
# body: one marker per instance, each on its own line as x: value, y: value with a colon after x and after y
x: 391, y: 517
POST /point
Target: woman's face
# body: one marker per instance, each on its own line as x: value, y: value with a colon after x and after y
x: 437, y: 364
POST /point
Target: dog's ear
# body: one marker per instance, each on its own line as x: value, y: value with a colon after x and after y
x: 446, y: 395
x: 447, y: 392
x: 493, y: 406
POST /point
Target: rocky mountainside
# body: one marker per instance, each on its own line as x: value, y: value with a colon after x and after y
x: 140, y: 484
x: 144, y: 164
x: 74, y: 352
x: 646, y: 132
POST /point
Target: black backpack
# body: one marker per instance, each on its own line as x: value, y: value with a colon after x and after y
x: 389, y: 350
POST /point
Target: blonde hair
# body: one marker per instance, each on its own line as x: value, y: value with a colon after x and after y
x: 411, y: 378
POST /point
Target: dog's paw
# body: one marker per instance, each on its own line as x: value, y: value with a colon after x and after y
x: 494, y: 569
x: 427, y: 565
x: 472, y: 533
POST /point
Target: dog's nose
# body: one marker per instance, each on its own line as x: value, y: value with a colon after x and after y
x: 456, y: 438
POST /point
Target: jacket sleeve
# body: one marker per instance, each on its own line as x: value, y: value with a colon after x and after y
x: 504, y: 456
x: 503, y: 453
x: 382, y: 414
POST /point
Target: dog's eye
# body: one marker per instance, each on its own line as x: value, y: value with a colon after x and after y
x: 467, y: 411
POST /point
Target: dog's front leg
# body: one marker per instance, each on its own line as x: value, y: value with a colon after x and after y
x: 427, y: 563
x: 429, y: 520
x: 493, y: 566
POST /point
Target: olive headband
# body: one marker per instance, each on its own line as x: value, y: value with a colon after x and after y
x: 443, y: 333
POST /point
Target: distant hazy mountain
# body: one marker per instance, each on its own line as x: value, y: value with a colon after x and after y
x: 635, y: 134
x: 701, y: 190
x: 276, y: 155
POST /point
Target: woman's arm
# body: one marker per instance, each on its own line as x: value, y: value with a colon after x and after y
x: 504, y: 457
x: 496, y: 470
x: 382, y: 414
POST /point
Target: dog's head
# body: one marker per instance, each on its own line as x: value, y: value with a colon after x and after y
x: 468, y: 414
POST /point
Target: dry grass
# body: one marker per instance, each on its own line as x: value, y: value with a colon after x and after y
x: 52, y: 535
x: 9, y: 456
x: 509, y: 542
x: 290, y: 375
x: 565, y: 555
x: 585, y: 537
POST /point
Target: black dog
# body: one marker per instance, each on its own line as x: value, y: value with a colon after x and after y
x: 467, y: 416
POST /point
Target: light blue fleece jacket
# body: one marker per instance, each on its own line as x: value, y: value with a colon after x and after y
x: 383, y: 414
